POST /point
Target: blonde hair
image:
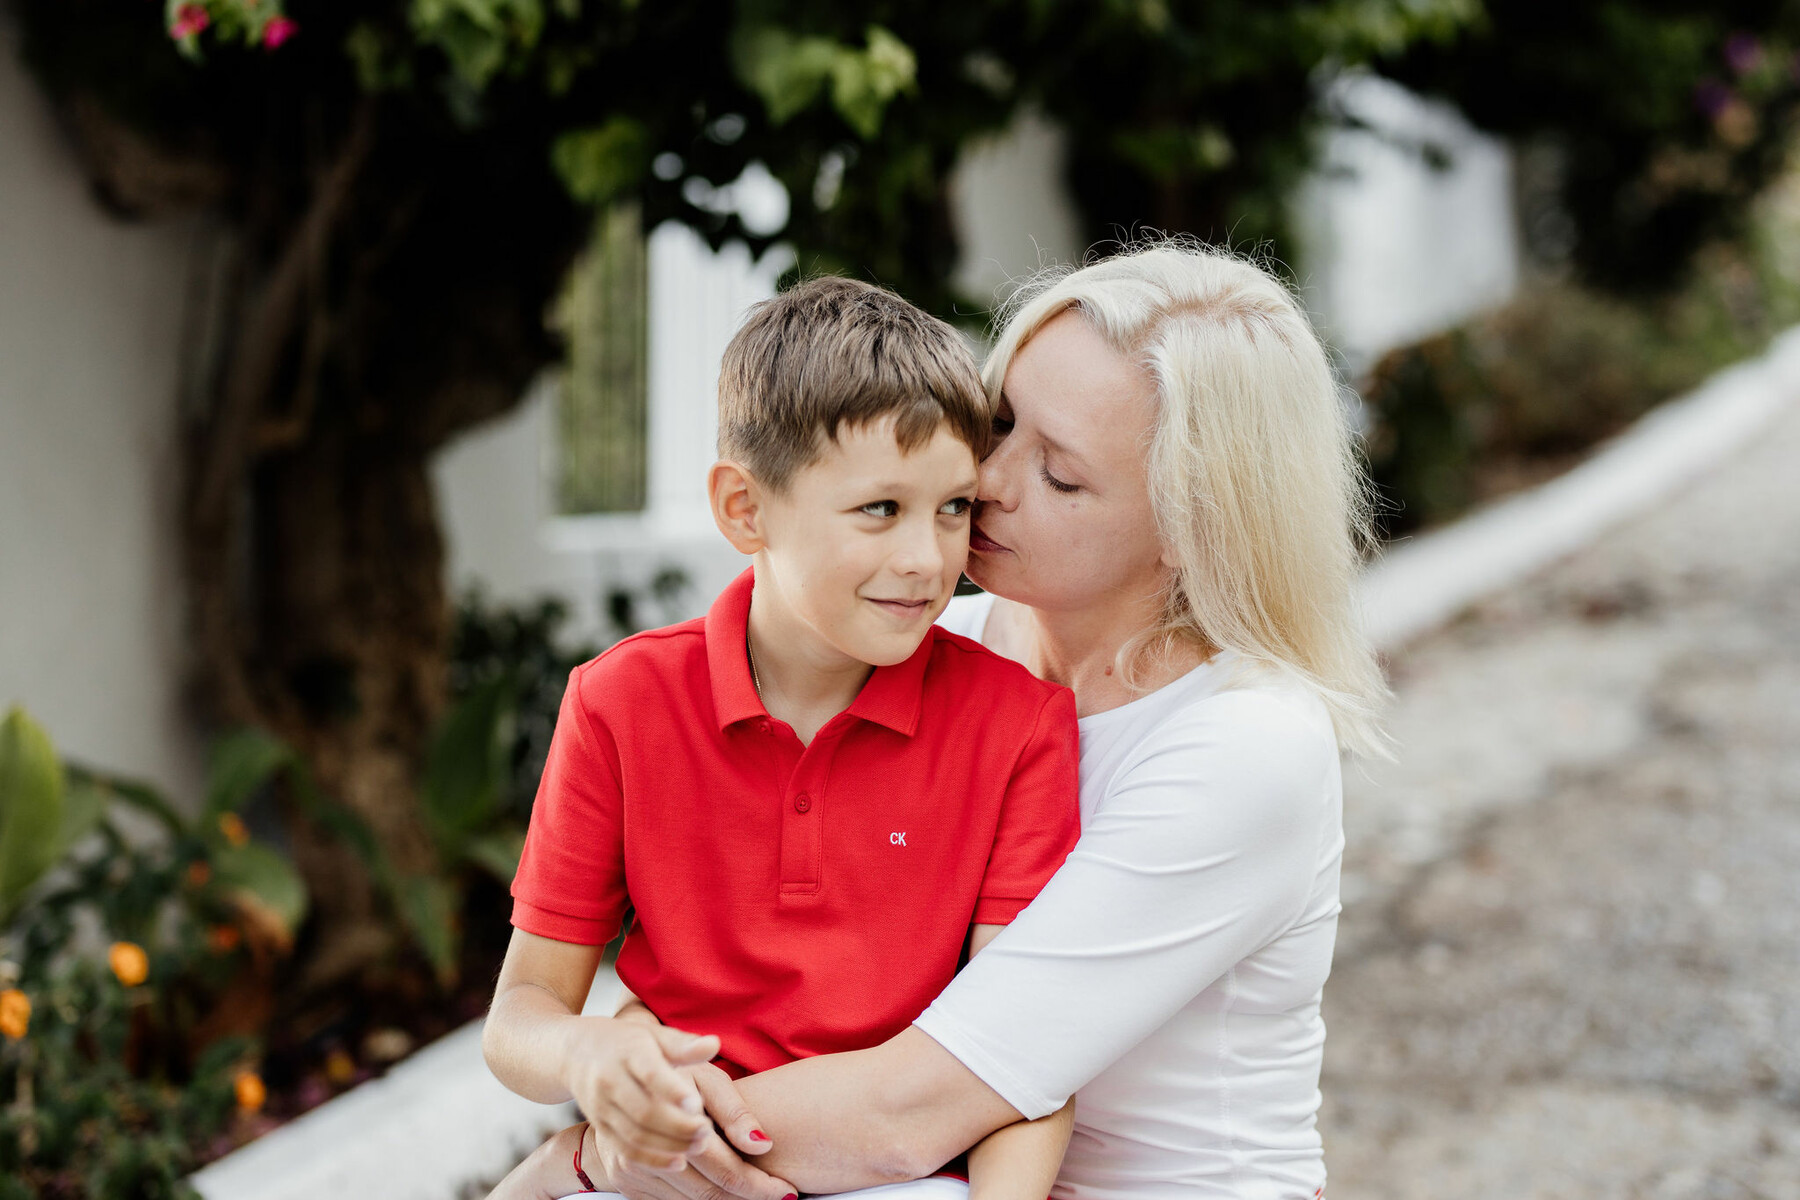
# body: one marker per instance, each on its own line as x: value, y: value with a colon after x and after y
x: 831, y: 352
x: 1253, y: 472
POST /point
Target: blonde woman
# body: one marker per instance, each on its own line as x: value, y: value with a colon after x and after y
x: 1169, y: 523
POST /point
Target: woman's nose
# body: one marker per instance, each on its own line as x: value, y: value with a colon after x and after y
x: 997, y: 483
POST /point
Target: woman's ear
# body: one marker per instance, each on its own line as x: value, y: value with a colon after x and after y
x: 737, y: 508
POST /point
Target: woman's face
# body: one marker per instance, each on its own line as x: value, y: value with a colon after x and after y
x: 1063, y: 519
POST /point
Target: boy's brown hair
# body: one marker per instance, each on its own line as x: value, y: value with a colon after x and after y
x: 833, y: 351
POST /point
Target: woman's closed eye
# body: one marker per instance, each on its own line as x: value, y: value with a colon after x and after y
x: 1057, y: 485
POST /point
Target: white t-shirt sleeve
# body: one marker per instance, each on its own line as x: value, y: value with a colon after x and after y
x: 1204, y: 848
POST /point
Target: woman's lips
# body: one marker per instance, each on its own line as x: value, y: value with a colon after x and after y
x: 981, y: 543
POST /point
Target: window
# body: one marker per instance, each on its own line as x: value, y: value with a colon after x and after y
x: 602, y: 403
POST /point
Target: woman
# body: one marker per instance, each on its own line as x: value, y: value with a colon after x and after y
x: 1169, y: 523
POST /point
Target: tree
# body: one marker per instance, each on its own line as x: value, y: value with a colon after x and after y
x: 407, y: 181
x: 1660, y: 122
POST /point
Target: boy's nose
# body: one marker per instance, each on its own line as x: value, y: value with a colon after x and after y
x: 920, y: 553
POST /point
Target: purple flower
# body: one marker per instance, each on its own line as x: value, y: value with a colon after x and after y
x: 1712, y: 97
x: 1743, y: 53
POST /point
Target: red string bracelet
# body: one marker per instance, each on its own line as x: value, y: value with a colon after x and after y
x: 587, y: 1185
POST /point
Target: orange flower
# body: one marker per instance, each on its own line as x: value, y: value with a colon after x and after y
x: 198, y: 873
x: 340, y: 1068
x: 223, y: 938
x: 15, y: 1013
x: 250, y: 1091
x: 232, y: 826
x: 129, y: 962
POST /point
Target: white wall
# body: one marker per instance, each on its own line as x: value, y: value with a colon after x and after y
x: 1012, y: 210
x: 1394, y: 250
x: 91, y: 607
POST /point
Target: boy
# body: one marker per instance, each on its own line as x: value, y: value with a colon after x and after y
x: 811, y: 799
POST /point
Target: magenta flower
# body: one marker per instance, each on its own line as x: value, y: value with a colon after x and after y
x: 279, y: 30
x: 190, y: 19
x: 1712, y: 97
x: 1743, y: 53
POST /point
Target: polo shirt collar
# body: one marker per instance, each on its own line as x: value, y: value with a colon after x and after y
x: 891, y: 697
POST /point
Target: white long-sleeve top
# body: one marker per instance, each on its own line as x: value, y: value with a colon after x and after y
x: 1171, y: 971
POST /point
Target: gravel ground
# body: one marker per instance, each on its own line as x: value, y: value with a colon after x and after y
x: 1569, y: 964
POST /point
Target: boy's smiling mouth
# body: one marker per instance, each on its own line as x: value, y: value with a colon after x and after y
x: 906, y: 610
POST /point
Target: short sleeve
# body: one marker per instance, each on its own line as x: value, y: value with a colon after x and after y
x: 1203, y: 849
x: 1040, y: 815
x: 570, y: 885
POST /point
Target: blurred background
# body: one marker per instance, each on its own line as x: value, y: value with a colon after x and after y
x: 357, y: 377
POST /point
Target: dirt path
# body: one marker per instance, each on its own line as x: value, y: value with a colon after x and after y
x: 1569, y: 964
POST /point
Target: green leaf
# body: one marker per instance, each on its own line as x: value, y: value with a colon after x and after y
x: 498, y: 852
x: 599, y: 164
x: 466, y: 764
x: 264, y: 885
x: 786, y: 71
x: 428, y: 905
x: 479, y: 37
x: 140, y: 796
x: 240, y: 764
x: 863, y: 84
x: 84, y: 803
x: 31, y: 806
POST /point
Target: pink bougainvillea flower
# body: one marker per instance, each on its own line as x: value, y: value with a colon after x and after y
x: 279, y: 30
x: 1711, y: 97
x: 190, y: 19
x: 1743, y: 53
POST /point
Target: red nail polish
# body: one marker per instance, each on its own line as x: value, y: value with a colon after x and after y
x: 757, y: 1135
x: 791, y: 1196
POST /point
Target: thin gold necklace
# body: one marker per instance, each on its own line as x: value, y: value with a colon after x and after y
x: 751, y: 654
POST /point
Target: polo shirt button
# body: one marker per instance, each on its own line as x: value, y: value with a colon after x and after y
x: 802, y: 803
x: 765, y: 725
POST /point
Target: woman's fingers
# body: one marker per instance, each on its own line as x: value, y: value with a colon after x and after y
x: 725, y: 1105
x: 721, y: 1171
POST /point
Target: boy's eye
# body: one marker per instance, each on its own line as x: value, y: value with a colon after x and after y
x: 955, y: 508
x: 881, y: 508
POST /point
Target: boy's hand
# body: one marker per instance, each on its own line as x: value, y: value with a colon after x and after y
x: 713, y: 1171
x: 632, y: 1081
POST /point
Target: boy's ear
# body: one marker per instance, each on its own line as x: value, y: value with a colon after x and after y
x: 737, y: 507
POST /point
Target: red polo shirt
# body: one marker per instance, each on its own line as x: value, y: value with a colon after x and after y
x: 795, y: 900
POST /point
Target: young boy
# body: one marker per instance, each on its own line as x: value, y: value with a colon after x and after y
x: 810, y: 800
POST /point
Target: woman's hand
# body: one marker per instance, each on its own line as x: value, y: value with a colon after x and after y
x: 632, y: 1081
x: 713, y: 1171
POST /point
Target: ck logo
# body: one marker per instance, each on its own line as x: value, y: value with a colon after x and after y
x: 896, y: 839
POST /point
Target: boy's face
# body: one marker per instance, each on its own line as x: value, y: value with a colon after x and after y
x: 863, y: 550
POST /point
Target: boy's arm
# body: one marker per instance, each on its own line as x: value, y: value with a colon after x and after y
x: 1018, y: 1161
x: 625, y: 1074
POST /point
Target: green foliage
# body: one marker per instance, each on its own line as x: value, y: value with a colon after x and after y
x: 787, y: 72
x: 128, y: 1062
x: 600, y: 164
x: 1663, y: 122
x: 31, y: 807
x: 1523, y: 391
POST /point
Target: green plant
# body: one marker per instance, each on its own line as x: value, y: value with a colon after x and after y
x: 1518, y: 393
x: 135, y: 967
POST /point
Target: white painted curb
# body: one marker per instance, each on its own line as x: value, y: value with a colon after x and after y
x: 440, y: 1120
x: 1420, y: 584
x: 432, y: 1126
